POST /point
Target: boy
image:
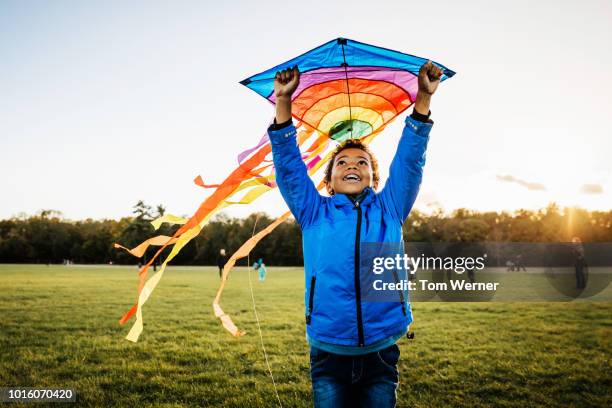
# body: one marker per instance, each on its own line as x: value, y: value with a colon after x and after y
x: 353, y: 354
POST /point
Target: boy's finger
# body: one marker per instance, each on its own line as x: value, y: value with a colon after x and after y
x: 425, y: 68
x: 435, y: 72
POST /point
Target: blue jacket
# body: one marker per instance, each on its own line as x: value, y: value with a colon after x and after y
x: 333, y: 229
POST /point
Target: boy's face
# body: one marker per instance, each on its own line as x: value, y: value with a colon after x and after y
x: 351, y: 172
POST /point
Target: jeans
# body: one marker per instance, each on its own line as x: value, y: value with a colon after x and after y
x: 369, y: 380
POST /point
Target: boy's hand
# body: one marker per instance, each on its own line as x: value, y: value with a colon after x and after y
x: 286, y: 82
x: 429, y: 78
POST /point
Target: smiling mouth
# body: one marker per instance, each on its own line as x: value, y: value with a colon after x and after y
x: 352, y: 178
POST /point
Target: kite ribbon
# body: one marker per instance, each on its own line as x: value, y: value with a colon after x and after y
x: 169, y: 218
x: 188, y: 231
x: 242, y: 252
x: 200, y: 182
x: 140, y: 249
x: 193, y: 226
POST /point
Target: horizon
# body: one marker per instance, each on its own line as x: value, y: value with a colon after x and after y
x: 223, y: 214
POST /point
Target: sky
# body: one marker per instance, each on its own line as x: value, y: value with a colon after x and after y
x: 106, y: 103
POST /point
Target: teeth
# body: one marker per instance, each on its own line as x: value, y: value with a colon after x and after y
x: 352, y: 177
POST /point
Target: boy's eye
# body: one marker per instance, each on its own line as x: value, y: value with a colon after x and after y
x: 363, y: 162
x: 340, y: 162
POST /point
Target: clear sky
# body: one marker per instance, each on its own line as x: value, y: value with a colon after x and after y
x: 106, y: 103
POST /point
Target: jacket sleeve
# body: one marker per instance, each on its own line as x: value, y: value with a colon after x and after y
x: 292, y: 178
x: 406, y: 170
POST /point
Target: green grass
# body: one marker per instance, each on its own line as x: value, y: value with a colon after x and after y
x: 59, y: 328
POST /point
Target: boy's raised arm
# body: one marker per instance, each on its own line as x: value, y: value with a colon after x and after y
x: 292, y: 177
x: 406, y: 170
x: 285, y: 84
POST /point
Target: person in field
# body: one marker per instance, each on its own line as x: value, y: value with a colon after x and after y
x: 353, y: 350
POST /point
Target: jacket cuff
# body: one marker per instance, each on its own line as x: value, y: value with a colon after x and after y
x: 420, y: 117
x: 418, y: 127
x: 282, y: 134
x: 278, y: 126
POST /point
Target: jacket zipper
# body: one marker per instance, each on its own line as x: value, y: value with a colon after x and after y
x: 357, y: 282
x: 310, y: 299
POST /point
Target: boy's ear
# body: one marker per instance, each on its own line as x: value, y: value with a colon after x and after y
x: 329, y: 189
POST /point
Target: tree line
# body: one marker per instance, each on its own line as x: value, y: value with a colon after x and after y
x: 48, y: 238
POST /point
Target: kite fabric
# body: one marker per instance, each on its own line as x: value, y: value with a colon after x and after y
x: 347, y: 90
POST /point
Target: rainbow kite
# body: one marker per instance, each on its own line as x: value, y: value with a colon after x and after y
x: 347, y: 90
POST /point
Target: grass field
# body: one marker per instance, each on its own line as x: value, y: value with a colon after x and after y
x: 59, y: 328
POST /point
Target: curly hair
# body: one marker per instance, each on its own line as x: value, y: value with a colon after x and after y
x: 352, y: 144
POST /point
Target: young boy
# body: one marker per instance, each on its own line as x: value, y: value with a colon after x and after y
x: 353, y: 355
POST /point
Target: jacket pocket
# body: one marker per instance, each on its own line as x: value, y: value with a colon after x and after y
x: 400, y: 292
x: 318, y: 357
x: 389, y: 357
x: 313, y: 280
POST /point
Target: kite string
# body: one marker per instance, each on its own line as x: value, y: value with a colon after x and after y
x: 263, y: 347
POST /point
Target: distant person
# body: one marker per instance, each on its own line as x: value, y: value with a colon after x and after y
x: 519, y: 263
x: 471, y: 275
x: 260, y: 267
x: 411, y: 271
x: 580, y: 265
x: 221, y: 261
x: 509, y: 265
